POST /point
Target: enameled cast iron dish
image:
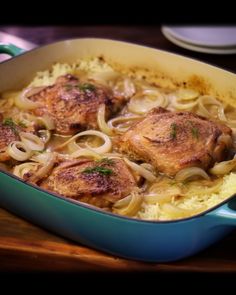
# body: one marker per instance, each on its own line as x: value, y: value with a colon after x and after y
x: 122, y: 236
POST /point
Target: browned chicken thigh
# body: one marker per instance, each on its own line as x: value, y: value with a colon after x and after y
x: 74, y: 105
x: 171, y: 141
x: 98, y: 183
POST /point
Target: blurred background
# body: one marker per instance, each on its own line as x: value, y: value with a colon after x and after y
x: 148, y: 35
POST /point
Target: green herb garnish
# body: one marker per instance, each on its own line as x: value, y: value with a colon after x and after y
x: 87, y: 86
x: 83, y: 87
x: 10, y: 123
x: 194, y: 130
x: 106, y: 161
x: 99, y: 169
x: 173, y: 132
x: 22, y: 124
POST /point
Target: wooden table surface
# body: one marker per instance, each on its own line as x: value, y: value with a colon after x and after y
x: 25, y: 247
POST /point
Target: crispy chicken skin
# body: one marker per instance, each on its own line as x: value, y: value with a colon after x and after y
x: 7, y: 135
x: 171, y: 141
x: 74, y: 105
x: 71, y: 180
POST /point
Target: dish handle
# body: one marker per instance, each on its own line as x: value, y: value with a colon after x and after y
x: 10, y: 49
x: 226, y: 214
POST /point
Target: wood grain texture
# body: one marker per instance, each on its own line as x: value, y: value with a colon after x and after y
x: 26, y: 247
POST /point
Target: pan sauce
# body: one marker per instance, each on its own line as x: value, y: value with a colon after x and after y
x: 36, y: 147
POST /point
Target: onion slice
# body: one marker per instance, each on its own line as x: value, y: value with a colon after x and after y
x: 209, y: 100
x: 128, y: 206
x: 101, y: 121
x: 31, y: 141
x: 122, y: 119
x: 19, y: 151
x: 223, y: 168
x: 45, y: 169
x: 124, y: 88
x: 183, y: 106
x: 140, y: 170
x: 23, y: 102
x: 186, y: 94
x: 187, y: 173
x: 144, y: 101
x: 156, y: 198
x: 47, y: 121
x: 86, y: 153
x: 104, y: 148
x: 22, y: 169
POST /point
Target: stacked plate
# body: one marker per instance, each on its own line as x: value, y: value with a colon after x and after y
x: 216, y: 40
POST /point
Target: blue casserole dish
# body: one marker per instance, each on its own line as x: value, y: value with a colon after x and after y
x: 153, y: 241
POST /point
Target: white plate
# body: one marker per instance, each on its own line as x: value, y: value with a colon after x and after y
x: 204, y: 36
x: 212, y: 50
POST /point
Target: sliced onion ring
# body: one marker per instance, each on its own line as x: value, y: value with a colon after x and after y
x: 209, y: 100
x: 140, y: 170
x: 183, y: 106
x: 86, y: 153
x: 47, y: 121
x: 186, y: 94
x: 223, y: 168
x: 32, y: 141
x: 22, y: 101
x: 157, y: 198
x: 105, y: 148
x: 121, y: 119
x: 125, y: 88
x: 128, y: 206
x: 45, y: 169
x: 22, y: 169
x: 15, y: 148
x: 143, y: 102
x: 190, y: 172
x: 101, y: 121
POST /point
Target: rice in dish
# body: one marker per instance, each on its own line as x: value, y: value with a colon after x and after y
x: 120, y: 140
